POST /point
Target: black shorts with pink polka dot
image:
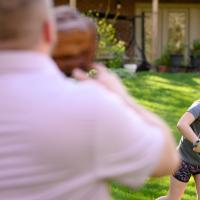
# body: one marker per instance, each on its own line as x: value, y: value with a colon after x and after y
x: 186, y: 170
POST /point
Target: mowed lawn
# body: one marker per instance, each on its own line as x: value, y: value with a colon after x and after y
x: 168, y: 95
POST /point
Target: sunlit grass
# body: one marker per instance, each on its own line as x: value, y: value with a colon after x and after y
x: 168, y: 95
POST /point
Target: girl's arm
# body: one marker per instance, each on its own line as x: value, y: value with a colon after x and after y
x: 184, y: 127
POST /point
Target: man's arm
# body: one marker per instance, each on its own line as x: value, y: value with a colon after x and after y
x: 111, y: 82
x: 164, y: 167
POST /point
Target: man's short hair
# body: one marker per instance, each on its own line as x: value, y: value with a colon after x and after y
x: 21, y: 22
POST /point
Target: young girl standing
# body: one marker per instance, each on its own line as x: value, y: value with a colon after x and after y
x: 189, y: 148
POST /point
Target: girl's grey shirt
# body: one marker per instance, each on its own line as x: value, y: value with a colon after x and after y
x: 185, y: 146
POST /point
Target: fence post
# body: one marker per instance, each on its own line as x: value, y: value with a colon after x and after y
x: 155, y: 8
x: 73, y: 3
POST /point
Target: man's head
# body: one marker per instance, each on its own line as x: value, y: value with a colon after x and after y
x: 26, y: 25
x: 76, y: 40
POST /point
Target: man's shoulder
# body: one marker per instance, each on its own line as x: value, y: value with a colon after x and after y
x: 90, y: 90
x: 89, y: 96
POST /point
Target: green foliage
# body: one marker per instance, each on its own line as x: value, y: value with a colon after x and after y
x: 195, y: 51
x: 168, y: 95
x: 109, y: 47
x: 115, y: 62
x: 176, y: 48
x: 164, y: 59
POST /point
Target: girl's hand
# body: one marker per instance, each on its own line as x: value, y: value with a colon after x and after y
x: 196, y: 146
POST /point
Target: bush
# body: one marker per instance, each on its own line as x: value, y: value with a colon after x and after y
x: 195, y: 51
x: 164, y: 59
x: 109, y: 47
x: 177, y: 48
x: 115, y: 62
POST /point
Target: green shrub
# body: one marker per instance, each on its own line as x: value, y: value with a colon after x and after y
x: 109, y: 47
x: 164, y: 59
x: 176, y: 48
x: 195, y: 51
x: 115, y: 62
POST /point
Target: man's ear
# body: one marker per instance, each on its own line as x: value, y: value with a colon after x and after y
x: 49, y: 33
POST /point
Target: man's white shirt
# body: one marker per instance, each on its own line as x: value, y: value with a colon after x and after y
x: 63, y: 140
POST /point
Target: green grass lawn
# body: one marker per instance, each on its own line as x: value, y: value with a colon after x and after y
x: 168, y: 95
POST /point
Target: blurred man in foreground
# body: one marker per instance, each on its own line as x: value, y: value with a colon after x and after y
x: 64, y: 139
